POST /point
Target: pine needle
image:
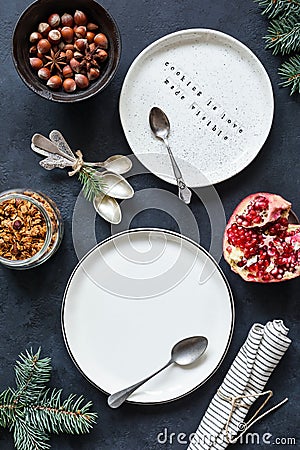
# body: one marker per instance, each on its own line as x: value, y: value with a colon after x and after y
x: 32, y: 374
x: 290, y: 74
x: 274, y: 8
x: 91, y: 181
x: 284, y: 35
x: 33, y: 412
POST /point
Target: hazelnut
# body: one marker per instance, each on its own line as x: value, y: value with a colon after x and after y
x: 43, y: 46
x: 80, y: 45
x: 35, y: 37
x: 80, y: 31
x: 33, y: 50
x: 40, y: 55
x: 36, y: 63
x: 67, y: 20
x: 61, y: 46
x: 75, y: 65
x: 93, y: 74
x: 54, y: 20
x: 80, y: 18
x: 67, y: 34
x: 92, y: 47
x: 44, y: 73
x: 44, y: 28
x: 92, y: 26
x: 101, y: 55
x: 69, y: 47
x: 54, y: 36
x: 69, y: 85
x: 90, y: 36
x: 101, y: 40
x: 67, y: 71
x: 54, y: 82
x: 69, y: 55
x: 81, y: 81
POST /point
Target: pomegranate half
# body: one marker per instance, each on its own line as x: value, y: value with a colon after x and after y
x: 259, y: 243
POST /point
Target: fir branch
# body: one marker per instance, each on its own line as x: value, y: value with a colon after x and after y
x: 33, y: 412
x: 7, y: 408
x: 92, y: 182
x: 290, y: 74
x: 55, y: 416
x: 274, y: 8
x: 32, y: 374
x: 27, y: 437
x: 284, y: 35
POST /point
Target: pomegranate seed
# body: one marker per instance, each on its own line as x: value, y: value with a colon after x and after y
x: 266, y: 277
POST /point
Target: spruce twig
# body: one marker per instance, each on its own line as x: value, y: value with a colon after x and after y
x: 32, y: 374
x: 27, y: 437
x: 284, y: 35
x: 91, y: 181
x: 290, y: 73
x: 33, y: 412
x: 56, y: 416
x: 274, y: 8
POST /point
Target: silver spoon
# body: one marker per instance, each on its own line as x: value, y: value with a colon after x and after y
x: 116, y: 186
x: 183, y: 353
x: 108, y: 208
x: 117, y: 163
x: 42, y: 142
x: 160, y: 126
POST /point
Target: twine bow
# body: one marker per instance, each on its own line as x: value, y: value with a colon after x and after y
x: 77, y: 166
x: 236, y: 402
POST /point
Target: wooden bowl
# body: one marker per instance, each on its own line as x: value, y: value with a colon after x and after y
x: 39, y: 11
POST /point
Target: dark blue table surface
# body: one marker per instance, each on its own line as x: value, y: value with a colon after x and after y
x: 31, y: 301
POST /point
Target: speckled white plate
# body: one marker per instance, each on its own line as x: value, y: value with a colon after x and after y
x: 218, y: 98
x: 132, y: 298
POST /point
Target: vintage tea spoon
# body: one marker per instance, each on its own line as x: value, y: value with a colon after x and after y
x: 108, y: 208
x: 117, y: 163
x: 160, y: 126
x: 116, y: 186
x: 183, y: 353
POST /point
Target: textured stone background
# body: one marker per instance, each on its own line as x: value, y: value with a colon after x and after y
x: 31, y: 301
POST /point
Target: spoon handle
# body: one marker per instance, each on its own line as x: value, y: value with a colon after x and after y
x: 45, y: 144
x: 184, y: 192
x: 117, y: 399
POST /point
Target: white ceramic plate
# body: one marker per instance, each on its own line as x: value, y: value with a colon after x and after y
x: 132, y: 298
x: 218, y: 98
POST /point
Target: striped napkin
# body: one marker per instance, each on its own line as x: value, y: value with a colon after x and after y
x: 224, y: 419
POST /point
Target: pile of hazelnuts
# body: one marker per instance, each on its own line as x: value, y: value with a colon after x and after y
x: 68, y: 51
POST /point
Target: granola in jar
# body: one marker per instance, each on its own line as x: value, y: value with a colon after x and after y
x: 31, y: 228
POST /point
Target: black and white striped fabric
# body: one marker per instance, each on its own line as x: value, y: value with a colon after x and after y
x: 248, y: 375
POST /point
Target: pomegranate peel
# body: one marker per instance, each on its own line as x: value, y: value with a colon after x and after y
x: 259, y: 243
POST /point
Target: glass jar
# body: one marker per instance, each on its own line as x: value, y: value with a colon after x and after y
x: 31, y: 228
